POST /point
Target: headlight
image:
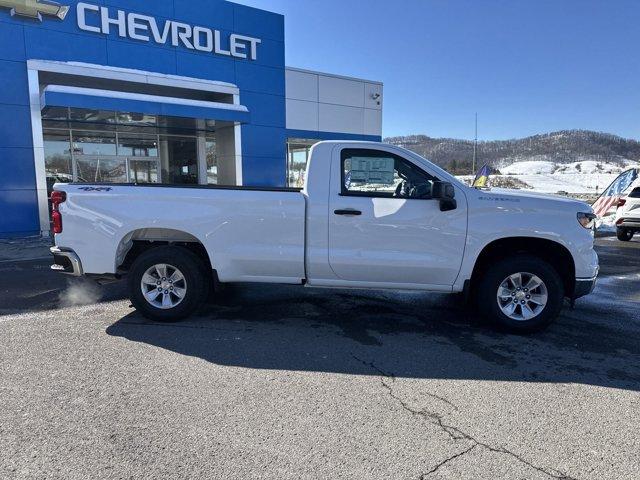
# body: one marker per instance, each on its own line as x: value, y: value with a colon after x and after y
x: 587, y: 220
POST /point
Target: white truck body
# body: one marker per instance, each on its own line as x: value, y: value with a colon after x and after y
x: 295, y: 237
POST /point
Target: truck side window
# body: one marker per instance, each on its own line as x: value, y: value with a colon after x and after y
x: 374, y: 173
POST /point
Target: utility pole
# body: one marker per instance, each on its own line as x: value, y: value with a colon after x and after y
x: 475, y: 148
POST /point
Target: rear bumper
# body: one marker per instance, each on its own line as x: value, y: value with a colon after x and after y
x: 633, y: 223
x: 584, y: 286
x: 66, y: 261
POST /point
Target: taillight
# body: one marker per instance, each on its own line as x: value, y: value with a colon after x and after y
x: 56, y: 217
x: 622, y: 202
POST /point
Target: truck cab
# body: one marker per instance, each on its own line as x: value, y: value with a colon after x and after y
x: 378, y: 218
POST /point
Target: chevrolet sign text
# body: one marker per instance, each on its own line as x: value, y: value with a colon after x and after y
x: 96, y: 19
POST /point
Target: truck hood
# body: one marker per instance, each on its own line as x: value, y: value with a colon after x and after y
x: 534, y: 198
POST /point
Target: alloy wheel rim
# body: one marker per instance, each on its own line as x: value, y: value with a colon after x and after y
x: 522, y: 296
x: 163, y: 286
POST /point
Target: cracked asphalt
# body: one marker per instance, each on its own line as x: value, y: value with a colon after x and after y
x: 278, y: 382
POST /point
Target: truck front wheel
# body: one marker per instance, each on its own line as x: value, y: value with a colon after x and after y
x: 167, y: 284
x: 521, y: 293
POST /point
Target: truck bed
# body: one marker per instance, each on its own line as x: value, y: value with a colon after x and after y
x: 250, y: 233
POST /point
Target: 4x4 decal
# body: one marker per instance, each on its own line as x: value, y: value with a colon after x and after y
x: 95, y: 189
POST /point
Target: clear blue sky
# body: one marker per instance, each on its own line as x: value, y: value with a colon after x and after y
x: 526, y: 66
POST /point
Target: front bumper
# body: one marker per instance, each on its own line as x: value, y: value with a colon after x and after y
x: 66, y: 261
x: 584, y: 286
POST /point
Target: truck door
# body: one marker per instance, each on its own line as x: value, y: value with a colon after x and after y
x: 384, y: 227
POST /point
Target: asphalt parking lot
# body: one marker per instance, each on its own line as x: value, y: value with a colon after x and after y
x: 276, y: 382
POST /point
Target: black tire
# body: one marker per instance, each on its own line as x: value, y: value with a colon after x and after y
x: 624, y: 234
x: 489, y: 283
x: 191, y: 266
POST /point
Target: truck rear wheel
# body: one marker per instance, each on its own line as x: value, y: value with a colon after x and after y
x: 522, y: 294
x: 167, y: 284
x: 624, y: 234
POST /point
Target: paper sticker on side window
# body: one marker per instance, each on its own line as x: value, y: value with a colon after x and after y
x: 371, y: 170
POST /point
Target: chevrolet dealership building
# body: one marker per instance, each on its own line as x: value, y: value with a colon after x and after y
x: 163, y: 91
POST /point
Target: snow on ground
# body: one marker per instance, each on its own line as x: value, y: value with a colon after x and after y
x: 568, y: 182
x: 591, y: 167
x: 572, y: 183
x: 547, y: 167
x: 547, y: 176
x: 607, y: 224
x: 531, y: 167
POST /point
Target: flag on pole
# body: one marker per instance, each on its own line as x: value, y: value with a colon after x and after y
x: 612, y: 195
x: 482, y: 178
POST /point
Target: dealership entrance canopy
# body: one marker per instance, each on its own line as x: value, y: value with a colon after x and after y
x: 159, y: 91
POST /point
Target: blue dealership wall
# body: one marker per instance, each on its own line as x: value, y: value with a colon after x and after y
x: 261, y: 82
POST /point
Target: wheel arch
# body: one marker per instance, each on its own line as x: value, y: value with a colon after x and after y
x: 554, y: 253
x: 136, y: 242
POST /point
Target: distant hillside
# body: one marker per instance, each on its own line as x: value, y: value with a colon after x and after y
x: 561, y: 147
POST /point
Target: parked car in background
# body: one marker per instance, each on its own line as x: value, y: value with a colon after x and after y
x: 628, y: 216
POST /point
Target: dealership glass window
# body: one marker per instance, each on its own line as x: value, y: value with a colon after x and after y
x: 100, y: 146
x: 56, y: 114
x: 94, y: 143
x: 57, y: 153
x: 92, y: 116
x: 298, y: 151
x: 101, y: 170
x: 179, y: 158
x: 136, y: 119
x: 130, y: 145
x: 143, y: 171
x: 212, y: 162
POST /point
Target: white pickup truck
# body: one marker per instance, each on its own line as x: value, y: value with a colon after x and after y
x: 370, y: 216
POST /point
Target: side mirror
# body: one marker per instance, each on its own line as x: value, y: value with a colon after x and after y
x: 446, y: 193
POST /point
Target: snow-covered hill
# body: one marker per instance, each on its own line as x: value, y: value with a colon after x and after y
x: 541, y: 165
x: 570, y: 161
x: 562, y: 148
x: 583, y: 177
